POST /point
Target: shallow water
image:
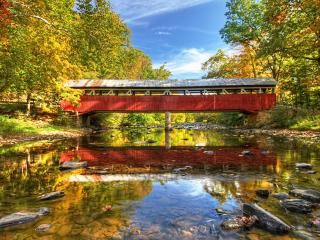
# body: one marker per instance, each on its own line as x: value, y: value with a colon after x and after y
x: 168, y: 189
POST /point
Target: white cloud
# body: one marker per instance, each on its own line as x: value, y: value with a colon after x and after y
x: 163, y: 33
x: 188, y: 62
x: 132, y: 10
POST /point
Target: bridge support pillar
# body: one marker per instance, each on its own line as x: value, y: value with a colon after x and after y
x: 86, y: 120
x: 168, y: 126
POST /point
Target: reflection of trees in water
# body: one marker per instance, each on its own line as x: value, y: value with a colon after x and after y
x: 245, y: 189
x: 82, y: 211
x: 180, y: 137
x: 85, y: 204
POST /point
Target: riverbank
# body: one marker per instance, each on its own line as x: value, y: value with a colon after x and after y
x: 13, y: 131
x: 310, y: 136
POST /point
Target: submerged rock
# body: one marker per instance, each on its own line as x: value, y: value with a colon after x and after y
x: 73, y: 165
x: 182, y: 170
x: 307, y: 194
x: 263, y: 193
x: 266, y: 220
x: 22, y: 217
x: 281, y: 196
x: 297, y: 205
x: 50, y: 196
x: 304, y: 166
x: 239, y: 222
x: 43, y: 228
x: 209, y: 152
x: 246, y: 153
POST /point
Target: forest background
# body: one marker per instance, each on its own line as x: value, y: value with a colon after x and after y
x: 45, y: 43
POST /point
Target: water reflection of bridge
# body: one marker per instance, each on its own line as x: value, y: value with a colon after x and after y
x: 161, y: 156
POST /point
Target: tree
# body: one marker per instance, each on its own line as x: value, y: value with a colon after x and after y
x: 284, y: 37
x: 241, y: 65
x: 99, y: 36
x: 38, y: 53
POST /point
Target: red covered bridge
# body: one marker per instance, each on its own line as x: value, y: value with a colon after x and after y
x: 203, y: 95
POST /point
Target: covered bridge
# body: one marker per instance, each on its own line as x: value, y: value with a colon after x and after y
x: 198, y: 95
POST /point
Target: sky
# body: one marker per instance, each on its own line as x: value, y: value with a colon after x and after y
x: 182, y: 34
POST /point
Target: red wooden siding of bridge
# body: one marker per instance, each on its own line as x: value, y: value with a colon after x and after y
x: 197, y: 103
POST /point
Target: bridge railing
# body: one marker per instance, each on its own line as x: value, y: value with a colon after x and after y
x: 178, y: 92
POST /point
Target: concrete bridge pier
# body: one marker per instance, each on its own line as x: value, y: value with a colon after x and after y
x: 168, y: 126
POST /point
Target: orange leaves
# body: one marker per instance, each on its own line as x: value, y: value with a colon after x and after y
x: 5, y: 14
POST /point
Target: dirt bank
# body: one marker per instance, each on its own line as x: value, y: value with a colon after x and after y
x: 53, y: 135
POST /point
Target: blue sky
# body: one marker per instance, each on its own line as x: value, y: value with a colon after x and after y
x: 180, y: 33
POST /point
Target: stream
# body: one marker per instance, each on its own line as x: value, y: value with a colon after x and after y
x: 150, y: 184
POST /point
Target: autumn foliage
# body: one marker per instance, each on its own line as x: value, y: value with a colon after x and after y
x: 5, y: 14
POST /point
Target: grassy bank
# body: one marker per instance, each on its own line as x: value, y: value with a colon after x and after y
x: 13, y: 130
x: 289, y: 118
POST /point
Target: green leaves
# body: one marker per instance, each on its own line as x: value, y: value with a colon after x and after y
x: 284, y: 37
x: 49, y: 42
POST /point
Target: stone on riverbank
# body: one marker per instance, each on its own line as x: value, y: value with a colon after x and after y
x: 263, y: 193
x: 50, y: 196
x: 73, y: 165
x: 304, y: 166
x: 307, y: 194
x: 22, y: 217
x: 266, y: 220
x: 297, y: 205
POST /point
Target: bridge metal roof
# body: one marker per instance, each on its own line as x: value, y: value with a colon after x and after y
x: 181, y: 83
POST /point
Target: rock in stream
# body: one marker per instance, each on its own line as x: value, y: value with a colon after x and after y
x: 266, y: 220
x: 304, y: 166
x: 22, y: 217
x: 239, y: 223
x: 50, y: 196
x: 297, y: 205
x: 73, y: 165
x: 43, y: 228
x: 263, y: 193
x: 307, y: 194
x: 280, y: 196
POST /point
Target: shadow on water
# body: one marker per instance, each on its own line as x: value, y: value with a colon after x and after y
x: 160, y: 185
